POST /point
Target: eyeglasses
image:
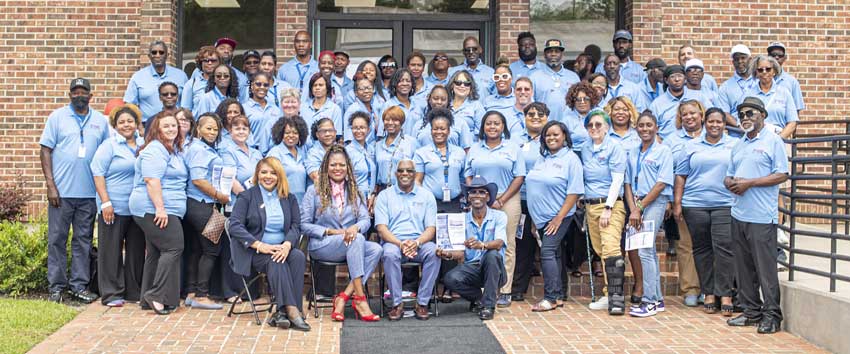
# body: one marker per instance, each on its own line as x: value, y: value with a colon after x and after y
x: 747, y: 113
x: 478, y: 192
x: 262, y: 84
x: 463, y: 83
x: 535, y: 115
x: 441, y: 57
x: 209, y: 60
x: 365, y: 88
x: 582, y: 99
x: 777, y: 55
x: 222, y: 76
x: 388, y: 65
x: 252, y: 62
x: 764, y: 70
x: 501, y: 77
x: 594, y: 125
x: 168, y: 94
x: 406, y: 170
x: 470, y: 49
x: 522, y: 89
x: 157, y: 52
x: 327, y: 131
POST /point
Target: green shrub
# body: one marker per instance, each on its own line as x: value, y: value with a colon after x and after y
x: 23, y: 257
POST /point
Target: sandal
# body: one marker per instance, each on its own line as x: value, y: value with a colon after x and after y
x: 234, y: 299
x: 576, y: 274
x: 710, y: 308
x: 543, y: 306
x: 727, y: 310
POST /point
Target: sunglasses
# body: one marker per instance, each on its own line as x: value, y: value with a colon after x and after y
x: 157, y: 52
x: 406, y: 170
x: 209, y: 61
x: 594, y: 125
x: 764, y: 70
x: 470, y: 49
x: 262, y: 84
x: 777, y: 55
x: 222, y: 76
x: 534, y: 115
x: 501, y: 77
x: 388, y: 65
x: 582, y: 99
x: 463, y: 83
x: 748, y: 114
x: 168, y: 94
x: 441, y: 57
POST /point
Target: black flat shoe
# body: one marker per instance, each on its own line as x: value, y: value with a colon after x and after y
x: 299, y: 324
x: 279, y: 320
x: 769, y: 326
x: 474, y: 307
x: 163, y: 312
x: 518, y: 297
x: 743, y: 321
x: 635, y: 299
x: 486, y: 313
x: 55, y: 296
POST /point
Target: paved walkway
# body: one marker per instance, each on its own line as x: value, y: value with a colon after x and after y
x: 572, y: 329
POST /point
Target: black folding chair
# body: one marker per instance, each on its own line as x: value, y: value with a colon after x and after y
x: 407, y: 265
x: 256, y: 307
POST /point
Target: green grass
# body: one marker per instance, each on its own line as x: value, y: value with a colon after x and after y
x: 25, y: 323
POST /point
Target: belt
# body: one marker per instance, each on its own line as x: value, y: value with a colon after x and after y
x: 593, y: 201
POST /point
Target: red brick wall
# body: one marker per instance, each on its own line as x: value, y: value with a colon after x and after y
x: 511, y: 19
x: 291, y: 18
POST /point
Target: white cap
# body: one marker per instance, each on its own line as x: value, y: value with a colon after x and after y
x: 740, y: 48
x: 691, y: 63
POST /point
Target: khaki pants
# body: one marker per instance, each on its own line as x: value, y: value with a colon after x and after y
x: 688, y: 278
x: 513, y: 208
x: 606, y: 242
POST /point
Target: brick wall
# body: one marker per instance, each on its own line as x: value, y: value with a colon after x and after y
x: 291, y: 18
x: 511, y: 19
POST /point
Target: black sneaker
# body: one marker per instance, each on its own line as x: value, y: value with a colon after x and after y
x: 83, y: 296
x: 55, y: 296
x: 486, y: 313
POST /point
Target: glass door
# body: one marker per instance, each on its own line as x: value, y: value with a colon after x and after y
x: 362, y: 40
x: 430, y: 37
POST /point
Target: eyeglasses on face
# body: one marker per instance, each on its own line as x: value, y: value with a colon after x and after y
x: 501, y: 77
x: 594, y: 125
x: 777, y: 55
x: 168, y: 94
x: 582, y: 99
x: 406, y: 170
x: 748, y: 113
x: 222, y: 76
x: 157, y: 52
x: 252, y: 62
x: 388, y: 65
x: 262, y: 84
x: 764, y: 70
x: 440, y: 57
x: 463, y: 83
x: 470, y: 49
x: 209, y: 60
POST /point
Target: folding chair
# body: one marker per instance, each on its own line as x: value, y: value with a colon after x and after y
x: 407, y: 265
x: 246, y: 285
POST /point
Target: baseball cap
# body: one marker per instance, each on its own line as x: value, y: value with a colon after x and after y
x: 554, y: 43
x: 623, y: 34
x: 655, y: 63
x: 694, y: 63
x: 775, y: 45
x: 739, y: 48
x: 80, y: 82
x: 225, y: 40
x: 673, y: 69
x: 339, y: 52
x: 251, y: 53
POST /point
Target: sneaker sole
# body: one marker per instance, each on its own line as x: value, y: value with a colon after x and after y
x: 642, y: 314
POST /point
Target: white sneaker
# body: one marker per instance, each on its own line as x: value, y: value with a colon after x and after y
x: 600, y: 304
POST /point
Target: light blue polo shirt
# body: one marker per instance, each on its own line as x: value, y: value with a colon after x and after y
x: 551, y: 87
x: 201, y: 159
x: 516, y: 124
x: 499, y: 165
x: 472, y: 112
x: 554, y: 177
x: 388, y: 157
x: 482, y: 74
x: 433, y: 80
x: 420, y: 97
x: 650, y: 93
x: 261, y: 120
x: 665, y: 108
x: 341, y: 90
x: 276, y: 90
x: 520, y: 69
x: 499, y: 103
x: 677, y: 142
x: 208, y: 103
x: 629, y: 70
x: 363, y: 165
x: 575, y: 124
x: 705, y: 167
x: 246, y: 163
x: 440, y: 171
x: 778, y: 102
x: 143, y: 89
x: 628, y: 141
x: 790, y: 83
x: 494, y: 227
x: 731, y: 92
x: 193, y: 89
x: 650, y: 167
x: 155, y: 162
x: 327, y: 110
x: 628, y: 89
x: 705, y: 96
x: 296, y: 173
x: 754, y: 158
x: 273, y: 233
x: 458, y: 135
x: 315, y: 155
x: 351, y: 98
x: 69, y: 134
x: 530, y: 152
x: 708, y: 82
x: 412, y: 116
x: 298, y: 75
x: 599, y: 163
x: 358, y: 106
x: 114, y: 161
x: 406, y: 215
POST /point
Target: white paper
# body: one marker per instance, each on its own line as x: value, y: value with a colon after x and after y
x: 520, y: 226
x: 644, y: 238
x: 451, y: 231
x: 226, y: 177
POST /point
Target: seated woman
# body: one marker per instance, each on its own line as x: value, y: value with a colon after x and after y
x: 334, y: 217
x: 265, y: 227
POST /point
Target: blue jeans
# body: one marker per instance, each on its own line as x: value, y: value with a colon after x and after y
x: 648, y: 256
x: 550, y: 260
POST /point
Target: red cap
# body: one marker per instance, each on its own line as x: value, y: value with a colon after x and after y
x: 226, y: 40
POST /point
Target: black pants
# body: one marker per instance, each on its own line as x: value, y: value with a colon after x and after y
x: 488, y: 272
x: 526, y: 249
x: 225, y: 283
x: 121, y: 259
x: 161, y: 275
x: 203, y: 253
x: 711, y: 232
x: 79, y: 213
x: 285, y: 279
x: 754, y: 247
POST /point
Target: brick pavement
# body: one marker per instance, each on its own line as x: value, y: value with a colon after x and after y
x: 572, y: 329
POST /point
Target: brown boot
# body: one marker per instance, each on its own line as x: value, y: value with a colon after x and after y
x: 396, y: 313
x: 421, y: 312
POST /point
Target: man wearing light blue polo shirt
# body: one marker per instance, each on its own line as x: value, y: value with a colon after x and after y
x: 758, y: 167
x: 732, y: 90
x: 406, y: 218
x: 629, y: 69
x: 666, y: 106
x: 481, y: 73
x: 618, y: 87
x: 143, y: 89
x: 68, y: 143
x: 552, y: 82
x: 298, y: 70
x: 527, y: 63
x: 777, y: 51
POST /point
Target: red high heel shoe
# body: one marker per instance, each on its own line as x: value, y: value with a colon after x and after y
x: 357, y: 300
x: 338, y: 315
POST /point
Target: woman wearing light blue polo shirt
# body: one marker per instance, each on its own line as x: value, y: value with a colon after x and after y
x: 369, y: 71
x: 401, y: 89
x: 225, y: 84
x: 604, y: 171
x: 393, y: 147
x: 289, y: 135
x: 499, y: 160
x: 362, y: 154
x: 365, y: 101
x: 705, y: 204
x: 120, y: 241
x: 556, y: 182
x: 649, y: 184
x: 157, y: 202
x: 260, y: 111
x: 439, y: 165
x: 319, y: 104
x: 464, y: 101
x: 504, y: 100
x: 324, y: 135
x: 202, y: 158
x: 623, y: 120
x: 780, y: 105
x: 459, y: 134
x: 580, y: 99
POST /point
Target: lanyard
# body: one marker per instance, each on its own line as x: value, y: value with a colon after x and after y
x: 218, y: 94
x: 274, y: 93
x: 641, y: 157
x: 445, y: 160
x: 396, y: 142
x: 301, y: 75
x: 81, y: 122
x: 616, y: 91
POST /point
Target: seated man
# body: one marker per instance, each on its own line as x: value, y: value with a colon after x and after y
x: 405, y: 217
x: 483, y: 261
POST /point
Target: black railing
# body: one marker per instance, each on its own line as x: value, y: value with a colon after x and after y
x: 820, y: 193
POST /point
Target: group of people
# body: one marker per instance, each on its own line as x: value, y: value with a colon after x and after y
x: 356, y: 170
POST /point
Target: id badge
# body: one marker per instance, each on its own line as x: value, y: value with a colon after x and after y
x: 447, y: 194
x: 247, y: 183
x: 81, y: 152
x: 526, y: 147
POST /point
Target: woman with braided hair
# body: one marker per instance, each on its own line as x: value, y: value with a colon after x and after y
x: 334, y: 216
